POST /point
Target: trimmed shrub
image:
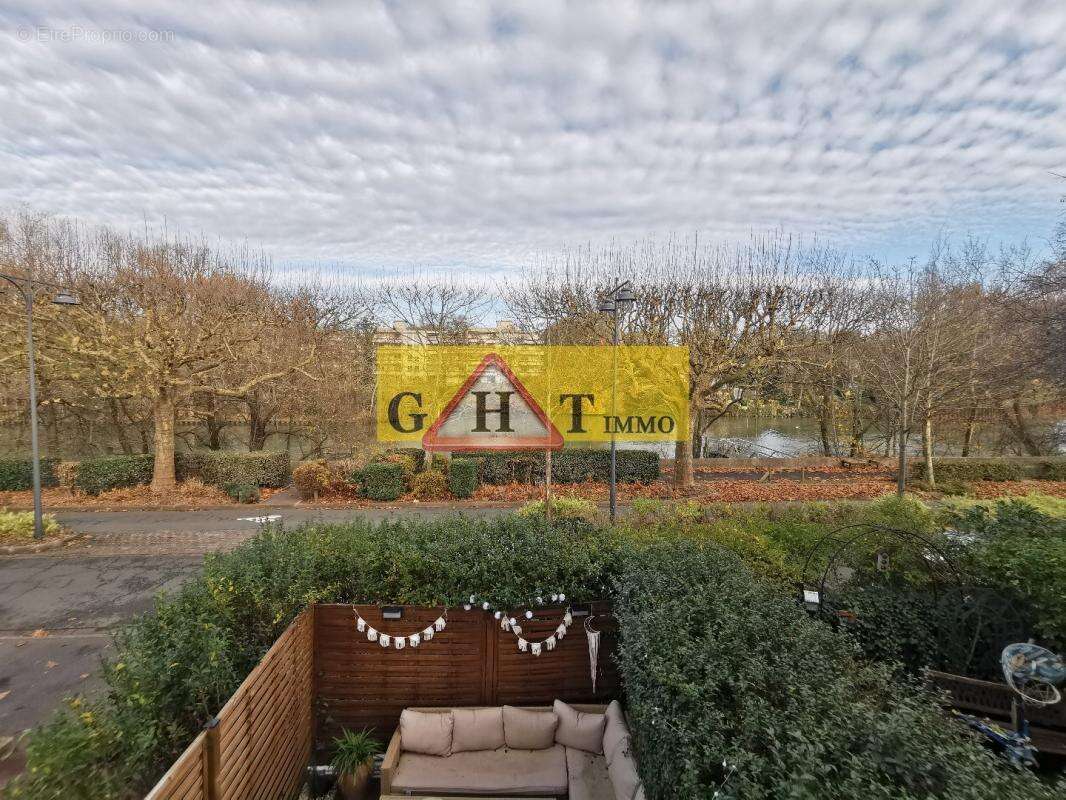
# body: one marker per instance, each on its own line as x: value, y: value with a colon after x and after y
x: 66, y: 473
x: 382, y: 480
x: 732, y: 689
x: 263, y: 468
x: 96, y: 475
x: 463, y: 477
x: 569, y: 508
x: 970, y: 470
x: 416, y: 454
x: 1053, y: 470
x: 312, y: 478
x: 16, y: 474
x: 568, y: 466
x: 242, y: 492
x: 439, y: 462
x: 430, y: 485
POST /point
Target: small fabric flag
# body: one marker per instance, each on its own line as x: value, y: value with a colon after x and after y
x: 384, y: 640
x: 517, y: 629
x: 439, y: 623
x: 536, y: 648
x: 567, y: 618
x: 560, y: 631
x: 522, y: 644
x: 360, y: 624
x: 504, y: 624
x: 399, y: 642
x: 427, y: 634
x: 550, y: 642
x: 415, y: 639
x: 371, y: 634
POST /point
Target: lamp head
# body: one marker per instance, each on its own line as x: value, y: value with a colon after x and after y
x: 607, y: 306
x: 624, y: 295
x: 66, y: 299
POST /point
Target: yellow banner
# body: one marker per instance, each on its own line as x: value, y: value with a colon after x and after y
x: 528, y: 395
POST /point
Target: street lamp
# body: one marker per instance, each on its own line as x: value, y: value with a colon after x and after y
x: 25, y: 285
x: 616, y: 301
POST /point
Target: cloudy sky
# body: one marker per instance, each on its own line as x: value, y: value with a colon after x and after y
x: 479, y: 134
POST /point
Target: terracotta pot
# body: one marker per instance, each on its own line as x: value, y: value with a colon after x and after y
x: 355, y: 786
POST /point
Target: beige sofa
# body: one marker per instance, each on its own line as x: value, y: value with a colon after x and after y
x: 505, y: 752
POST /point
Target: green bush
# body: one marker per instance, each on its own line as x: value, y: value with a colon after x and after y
x: 463, y: 477
x: 172, y: 670
x: 576, y: 465
x: 96, y: 475
x: 242, y: 492
x: 970, y: 470
x: 1053, y: 469
x: 382, y: 480
x: 571, y: 508
x: 263, y: 468
x: 16, y: 474
x: 430, y: 485
x: 731, y: 689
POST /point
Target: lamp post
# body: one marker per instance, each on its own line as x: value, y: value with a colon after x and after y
x: 617, y: 300
x: 25, y: 286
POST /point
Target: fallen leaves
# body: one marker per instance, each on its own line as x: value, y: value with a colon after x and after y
x: 40, y: 633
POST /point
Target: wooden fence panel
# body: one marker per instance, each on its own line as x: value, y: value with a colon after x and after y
x: 260, y: 743
x: 471, y: 662
x: 185, y: 778
x: 563, y: 673
x: 361, y: 684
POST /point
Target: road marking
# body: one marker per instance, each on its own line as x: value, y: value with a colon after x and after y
x: 260, y: 520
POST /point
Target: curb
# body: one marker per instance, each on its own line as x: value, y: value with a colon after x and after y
x: 40, y: 547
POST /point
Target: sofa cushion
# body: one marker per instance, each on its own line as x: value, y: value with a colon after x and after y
x: 426, y: 732
x: 616, y: 729
x: 491, y: 772
x: 529, y: 730
x: 588, y: 776
x: 578, y: 729
x: 477, y: 729
x: 622, y: 768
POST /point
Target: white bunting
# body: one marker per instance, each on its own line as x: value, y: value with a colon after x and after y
x: 522, y: 644
x: 371, y: 634
x: 399, y: 642
x: 384, y: 640
x: 550, y: 642
x: 427, y: 634
x: 439, y: 624
x: 517, y: 629
x: 568, y: 618
x: 536, y: 648
x: 360, y: 624
x: 504, y: 624
x: 414, y: 638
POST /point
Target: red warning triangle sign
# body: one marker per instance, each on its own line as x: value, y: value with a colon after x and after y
x: 492, y: 411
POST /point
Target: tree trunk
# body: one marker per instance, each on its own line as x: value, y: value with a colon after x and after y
x: 697, y: 435
x: 927, y: 448
x: 971, y: 429
x: 1016, y: 422
x: 163, y: 415
x: 683, y: 457
x: 257, y: 423
x: 825, y: 420
x: 214, y: 424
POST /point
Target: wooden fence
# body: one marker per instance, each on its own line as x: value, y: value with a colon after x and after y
x: 322, y: 675
x: 259, y: 744
x: 471, y: 662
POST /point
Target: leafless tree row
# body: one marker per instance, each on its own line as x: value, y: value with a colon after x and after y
x: 176, y: 340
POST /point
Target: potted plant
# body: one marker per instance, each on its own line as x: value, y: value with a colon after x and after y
x: 353, y: 758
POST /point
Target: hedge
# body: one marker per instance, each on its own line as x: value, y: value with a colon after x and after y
x: 1053, y: 470
x: 971, y: 470
x: 382, y: 480
x: 568, y: 466
x: 16, y: 474
x: 416, y: 454
x: 262, y: 468
x: 96, y: 475
x: 170, y: 671
x: 731, y: 689
x: 463, y: 477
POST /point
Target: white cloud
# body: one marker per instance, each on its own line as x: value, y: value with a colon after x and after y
x: 479, y: 133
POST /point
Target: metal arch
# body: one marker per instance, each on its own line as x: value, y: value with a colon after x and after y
x: 866, y: 529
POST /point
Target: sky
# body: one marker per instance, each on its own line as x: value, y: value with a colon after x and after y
x: 482, y: 135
